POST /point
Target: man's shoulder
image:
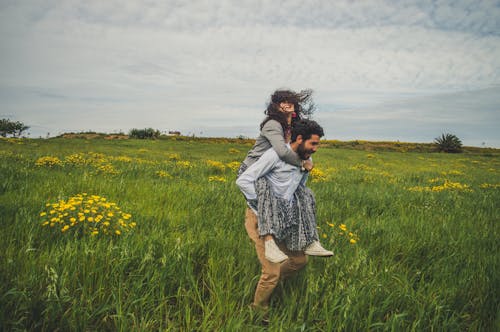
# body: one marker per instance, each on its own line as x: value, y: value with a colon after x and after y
x: 271, y: 154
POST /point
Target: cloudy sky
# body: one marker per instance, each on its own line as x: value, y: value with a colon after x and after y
x: 380, y: 70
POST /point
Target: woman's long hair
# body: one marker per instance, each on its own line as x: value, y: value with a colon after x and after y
x: 303, y: 107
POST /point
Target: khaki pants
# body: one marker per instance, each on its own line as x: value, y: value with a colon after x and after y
x: 271, y: 272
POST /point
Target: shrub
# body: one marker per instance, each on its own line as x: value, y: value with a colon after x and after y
x: 144, y: 133
x: 448, y: 143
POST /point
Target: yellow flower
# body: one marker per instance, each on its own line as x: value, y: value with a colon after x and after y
x: 352, y: 241
x: 163, y: 174
x: 95, y: 210
x: 343, y: 227
x: 216, y: 179
x: 234, y: 165
x: 318, y: 175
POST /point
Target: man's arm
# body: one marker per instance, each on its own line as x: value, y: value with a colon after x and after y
x: 246, y: 181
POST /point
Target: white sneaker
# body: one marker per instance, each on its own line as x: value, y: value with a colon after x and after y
x: 273, y: 253
x: 316, y: 249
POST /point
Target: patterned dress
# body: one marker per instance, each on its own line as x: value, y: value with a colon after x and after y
x: 293, y: 221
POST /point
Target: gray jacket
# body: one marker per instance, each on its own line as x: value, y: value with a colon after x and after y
x: 272, y: 135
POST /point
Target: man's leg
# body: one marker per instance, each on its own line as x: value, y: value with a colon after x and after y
x: 270, y: 271
x: 296, y: 261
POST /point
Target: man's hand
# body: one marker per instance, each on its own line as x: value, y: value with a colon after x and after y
x: 307, y: 165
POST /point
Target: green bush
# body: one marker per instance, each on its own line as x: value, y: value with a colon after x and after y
x: 8, y: 127
x: 448, y: 143
x: 144, y: 133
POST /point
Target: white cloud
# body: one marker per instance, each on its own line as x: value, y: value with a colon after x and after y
x: 177, y: 62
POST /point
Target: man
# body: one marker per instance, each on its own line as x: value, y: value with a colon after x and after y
x: 281, y: 205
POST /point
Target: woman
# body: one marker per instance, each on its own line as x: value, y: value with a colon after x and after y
x: 284, y: 108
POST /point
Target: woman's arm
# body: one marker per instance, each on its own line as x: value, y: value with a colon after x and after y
x: 273, y: 132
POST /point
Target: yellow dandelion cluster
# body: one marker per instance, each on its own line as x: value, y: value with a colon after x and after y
x: 88, y: 215
x: 340, y: 231
x: 216, y: 179
x: 183, y: 164
x: 106, y: 169
x: 77, y: 159
x: 82, y: 159
x: 234, y: 165
x: 48, y: 161
x: 447, y: 185
x: 216, y: 165
x: 123, y: 159
x: 145, y: 161
x: 452, y: 172
x: 370, y: 156
x: 318, y: 175
x: 233, y: 150
x: 98, y: 161
x: 173, y: 156
x: 489, y: 185
x: 360, y: 167
x: 387, y: 175
x: 163, y: 174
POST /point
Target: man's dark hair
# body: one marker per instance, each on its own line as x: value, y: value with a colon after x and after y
x: 306, y: 128
x: 302, y: 101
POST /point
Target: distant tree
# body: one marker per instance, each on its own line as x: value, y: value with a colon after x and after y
x: 448, y: 143
x: 144, y: 133
x: 15, y: 129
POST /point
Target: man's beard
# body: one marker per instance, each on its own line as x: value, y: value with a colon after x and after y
x: 302, y: 152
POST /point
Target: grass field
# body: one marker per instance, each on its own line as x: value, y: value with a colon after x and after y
x: 135, y: 235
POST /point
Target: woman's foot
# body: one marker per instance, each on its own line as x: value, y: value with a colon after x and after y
x: 316, y: 249
x: 273, y: 253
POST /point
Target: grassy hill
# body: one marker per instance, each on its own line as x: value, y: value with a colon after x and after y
x: 415, y: 237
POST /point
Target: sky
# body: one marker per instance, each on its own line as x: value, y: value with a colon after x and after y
x: 404, y: 71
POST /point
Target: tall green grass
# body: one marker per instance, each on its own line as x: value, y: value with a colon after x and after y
x: 423, y: 260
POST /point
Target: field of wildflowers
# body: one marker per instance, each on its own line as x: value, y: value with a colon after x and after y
x: 148, y: 235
